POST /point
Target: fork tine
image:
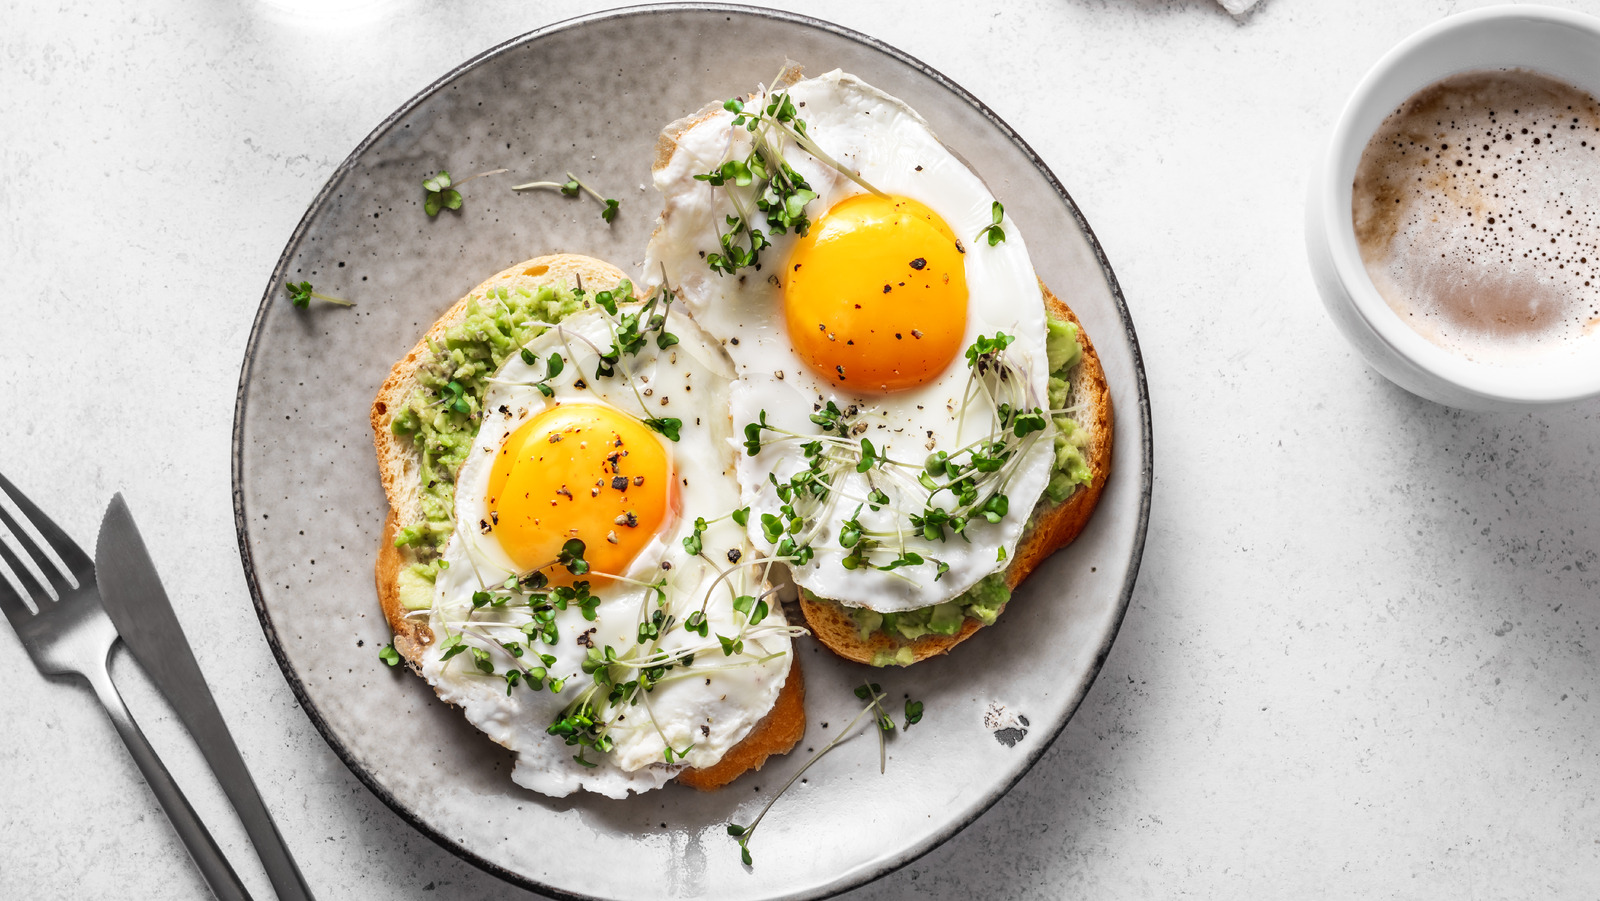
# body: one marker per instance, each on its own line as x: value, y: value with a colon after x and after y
x: 67, y: 550
x: 29, y: 561
x: 14, y: 582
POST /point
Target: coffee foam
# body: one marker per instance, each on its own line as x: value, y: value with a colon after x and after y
x: 1476, y: 207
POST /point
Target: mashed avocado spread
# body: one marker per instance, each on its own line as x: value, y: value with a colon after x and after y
x: 443, y: 414
x: 984, y: 600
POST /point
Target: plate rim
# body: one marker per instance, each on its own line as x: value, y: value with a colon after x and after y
x: 872, y: 871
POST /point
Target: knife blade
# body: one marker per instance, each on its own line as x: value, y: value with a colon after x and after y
x: 132, y: 594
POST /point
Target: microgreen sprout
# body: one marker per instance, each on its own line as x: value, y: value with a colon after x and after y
x: 389, y: 655
x: 694, y: 543
x: 631, y: 330
x: 571, y: 188
x: 829, y: 418
x: 553, y: 365
x: 457, y: 399
x: 873, y: 695
x: 764, y: 190
x: 666, y: 425
x: 451, y: 646
x: 993, y: 233
x: 754, y: 610
x: 913, y: 713
x: 572, y: 557
x: 869, y: 456
x: 481, y: 659
x: 300, y: 295
x: 440, y: 193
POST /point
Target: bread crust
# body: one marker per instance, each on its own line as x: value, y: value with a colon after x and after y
x: 1049, y: 531
x: 776, y: 733
x: 410, y: 635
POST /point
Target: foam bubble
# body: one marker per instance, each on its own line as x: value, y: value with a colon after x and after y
x: 1476, y: 207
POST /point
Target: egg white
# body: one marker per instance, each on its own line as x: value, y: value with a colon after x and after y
x: 893, y: 149
x: 707, y: 713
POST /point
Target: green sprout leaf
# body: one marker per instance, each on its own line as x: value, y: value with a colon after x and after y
x: 440, y: 193
x: 909, y: 558
x: 389, y: 655
x: 993, y: 233
x: 754, y: 610
x: 300, y: 295
x: 869, y: 456
x: 1028, y: 423
x: 480, y: 659
x: 451, y: 646
x: 694, y: 544
x: 913, y: 713
x: 571, y: 557
x: 667, y: 425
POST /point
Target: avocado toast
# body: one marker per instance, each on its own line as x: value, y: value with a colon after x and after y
x: 1083, y: 465
x: 424, y: 421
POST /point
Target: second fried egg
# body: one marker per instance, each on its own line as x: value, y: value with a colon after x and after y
x: 851, y: 342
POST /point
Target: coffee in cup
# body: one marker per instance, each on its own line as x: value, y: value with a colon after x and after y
x: 1476, y: 208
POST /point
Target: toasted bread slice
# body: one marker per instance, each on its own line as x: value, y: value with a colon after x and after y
x: 776, y: 733
x: 1051, y: 528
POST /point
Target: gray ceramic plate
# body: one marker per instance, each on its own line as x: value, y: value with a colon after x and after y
x: 309, y: 505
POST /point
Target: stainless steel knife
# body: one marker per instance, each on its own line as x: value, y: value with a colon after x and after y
x: 132, y: 594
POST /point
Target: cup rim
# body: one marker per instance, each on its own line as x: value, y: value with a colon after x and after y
x: 1526, y: 384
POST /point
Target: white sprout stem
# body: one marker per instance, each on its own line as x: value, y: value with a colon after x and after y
x: 743, y: 662
x: 723, y: 574
x: 573, y: 357
x: 592, y: 192
x: 479, y: 175
x: 848, y: 730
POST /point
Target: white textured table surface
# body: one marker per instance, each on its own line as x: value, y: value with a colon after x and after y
x: 1360, y: 659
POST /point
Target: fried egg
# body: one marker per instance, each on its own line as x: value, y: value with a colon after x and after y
x: 527, y: 635
x: 850, y: 343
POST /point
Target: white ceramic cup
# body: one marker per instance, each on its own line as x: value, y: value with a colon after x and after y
x: 1556, y: 42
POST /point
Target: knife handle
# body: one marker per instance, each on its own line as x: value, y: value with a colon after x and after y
x: 202, y: 847
x: 211, y: 734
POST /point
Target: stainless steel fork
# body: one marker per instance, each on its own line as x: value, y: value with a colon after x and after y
x: 68, y: 632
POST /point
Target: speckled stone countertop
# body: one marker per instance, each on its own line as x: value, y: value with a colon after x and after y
x: 1359, y: 660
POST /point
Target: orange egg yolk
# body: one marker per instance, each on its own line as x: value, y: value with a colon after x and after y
x: 581, y: 471
x: 875, y: 295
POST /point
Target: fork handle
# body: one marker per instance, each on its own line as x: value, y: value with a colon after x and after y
x: 202, y: 847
